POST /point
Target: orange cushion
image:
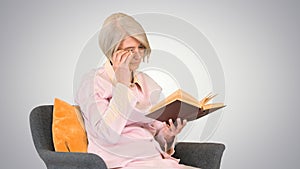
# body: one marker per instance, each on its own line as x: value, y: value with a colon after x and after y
x: 67, y: 128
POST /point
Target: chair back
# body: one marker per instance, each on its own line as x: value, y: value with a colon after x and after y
x: 41, y: 128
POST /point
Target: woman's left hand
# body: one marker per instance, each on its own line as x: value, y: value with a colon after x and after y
x: 170, y: 131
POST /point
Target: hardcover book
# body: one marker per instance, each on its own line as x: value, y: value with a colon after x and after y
x: 182, y: 105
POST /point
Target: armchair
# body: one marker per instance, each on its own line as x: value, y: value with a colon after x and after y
x: 204, y: 155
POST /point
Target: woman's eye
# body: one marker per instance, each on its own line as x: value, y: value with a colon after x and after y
x: 142, y: 47
x: 130, y: 49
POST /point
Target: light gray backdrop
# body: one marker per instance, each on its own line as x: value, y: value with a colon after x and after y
x: 257, y: 43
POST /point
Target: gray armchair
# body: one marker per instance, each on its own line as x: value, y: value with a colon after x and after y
x: 204, y: 155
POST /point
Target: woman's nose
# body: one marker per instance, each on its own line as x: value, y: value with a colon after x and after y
x: 136, y: 52
x: 136, y: 56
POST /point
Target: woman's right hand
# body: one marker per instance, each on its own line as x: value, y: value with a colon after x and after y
x: 121, y: 60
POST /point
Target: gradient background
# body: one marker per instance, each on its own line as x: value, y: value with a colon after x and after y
x: 257, y: 43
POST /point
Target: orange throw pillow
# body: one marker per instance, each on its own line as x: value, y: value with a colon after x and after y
x: 67, y: 128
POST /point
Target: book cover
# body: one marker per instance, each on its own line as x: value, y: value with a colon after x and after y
x: 182, y: 105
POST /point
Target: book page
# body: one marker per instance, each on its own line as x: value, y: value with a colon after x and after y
x: 207, y: 98
x: 177, y: 95
x: 165, y: 101
x: 186, y: 97
x: 212, y: 105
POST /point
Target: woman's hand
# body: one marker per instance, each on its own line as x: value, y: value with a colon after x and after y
x: 170, y: 131
x: 121, y: 60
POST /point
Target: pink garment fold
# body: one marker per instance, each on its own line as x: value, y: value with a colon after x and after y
x: 117, y: 128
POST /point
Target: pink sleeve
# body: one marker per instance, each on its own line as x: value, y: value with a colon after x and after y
x: 107, y: 118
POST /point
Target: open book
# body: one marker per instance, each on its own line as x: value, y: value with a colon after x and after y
x: 182, y: 105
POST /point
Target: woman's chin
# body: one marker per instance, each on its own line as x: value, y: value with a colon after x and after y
x: 134, y: 67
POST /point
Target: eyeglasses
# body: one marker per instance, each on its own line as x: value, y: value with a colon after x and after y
x: 141, y: 49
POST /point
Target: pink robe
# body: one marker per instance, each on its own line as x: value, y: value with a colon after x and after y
x: 115, y: 121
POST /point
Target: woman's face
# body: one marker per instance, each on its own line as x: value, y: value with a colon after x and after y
x: 138, y: 51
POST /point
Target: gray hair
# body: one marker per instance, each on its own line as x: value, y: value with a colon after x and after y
x: 116, y: 28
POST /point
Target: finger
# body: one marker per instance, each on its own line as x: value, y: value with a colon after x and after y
x: 172, y: 126
x: 125, y: 57
x: 129, y: 58
x: 184, y: 122
x: 179, y: 125
x: 120, y: 51
x: 120, y: 56
x: 164, y: 124
x: 178, y: 122
x: 117, y: 55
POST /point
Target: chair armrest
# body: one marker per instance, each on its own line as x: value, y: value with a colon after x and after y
x: 70, y: 160
x: 203, y: 155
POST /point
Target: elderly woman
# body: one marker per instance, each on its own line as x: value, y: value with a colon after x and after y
x: 115, y: 98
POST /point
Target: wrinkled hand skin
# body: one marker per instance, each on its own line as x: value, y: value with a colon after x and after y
x: 121, y: 60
